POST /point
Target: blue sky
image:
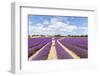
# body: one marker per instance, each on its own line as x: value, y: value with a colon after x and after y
x: 53, y: 25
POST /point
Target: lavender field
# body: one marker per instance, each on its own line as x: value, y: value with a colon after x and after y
x: 56, y: 37
x: 50, y: 48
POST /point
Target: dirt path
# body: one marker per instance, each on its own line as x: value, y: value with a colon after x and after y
x: 30, y: 59
x: 52, y: 54
x: 69, y: 51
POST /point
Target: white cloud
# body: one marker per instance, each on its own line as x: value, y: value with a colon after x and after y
x: 46, y: 22
x: 83, y: 28
x: 54, y: 26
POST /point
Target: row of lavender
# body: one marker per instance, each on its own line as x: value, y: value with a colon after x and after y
x: 78, y: 45
x: 35, y: 44
x: 43, y: 55
x: 61, y: 53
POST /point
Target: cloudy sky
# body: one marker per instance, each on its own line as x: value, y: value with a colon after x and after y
x: 53, y: 25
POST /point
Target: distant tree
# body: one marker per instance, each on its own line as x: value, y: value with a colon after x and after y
x: 86, y: 35
x: 32, y: 35
x: 57, y: 35
x: 29, y: 36
x: 69, y: 35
